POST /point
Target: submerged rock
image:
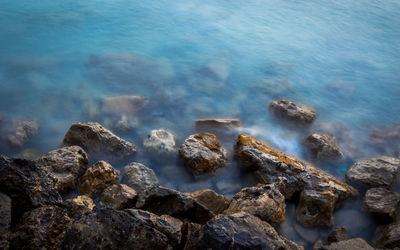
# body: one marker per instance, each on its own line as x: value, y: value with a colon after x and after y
x: 127, y: 105
x: 202, y: 153
x: 382, y: 203
x: 79, y: 205
x: 265, y: 202
x: 98, y: 140
x: 5, y: 220
x: 210, y: 125
x: 139, y: 176
x: 374, y: 172
x: 293, y: 112
x: 119, y: 196
x: 160, y: 141
x: 387, y: 236
x: 386, y: 140
x: 341, y: 89
x: 320, y: 192
x: 322, y: 147
x: 65, y: 165
x: 216, y: 203
x: 22, y: 131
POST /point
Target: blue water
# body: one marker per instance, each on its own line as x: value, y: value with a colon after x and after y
x: 208, y: 58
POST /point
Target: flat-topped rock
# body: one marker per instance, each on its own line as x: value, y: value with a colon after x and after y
x: 160, y: 141
x: 138, y: 176
x: 322, y: 147
x: 97, y: 140
x: 382, y: 204
x: 127, y: 104
x: 291, y: 175
x: 290, y: 111
x: 119, y: 196
x: 216, y: 203
x: 212, y: 124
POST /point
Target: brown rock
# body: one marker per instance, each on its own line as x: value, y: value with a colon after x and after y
x: 339, y: 234
x: 322, y: 147
x: 387, y: 236
x: 79, y: 205
x: 209, y: 125
x: 382, y: 203
x: 293, y: 112
x: 216, y: 203
x: 5, y: 220
x: 351, y: 244
x: 96, y: 178
x: 128, y: 105
x: 119, y: 196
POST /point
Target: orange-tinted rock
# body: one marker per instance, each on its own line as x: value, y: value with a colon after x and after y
x: 97, y: 178
x: 216, y: 203
x: 119, y: 196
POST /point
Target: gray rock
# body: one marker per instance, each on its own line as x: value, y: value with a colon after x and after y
x: 216, y: 203
x: 374, y: 172
x: 138, y: 176
x: 22, y: 131
x: 160, y: 141
x: 382, y: 203
x: 119, y: 196
x: 387, y: 236
x: 339, y: 234
x: 123, y: 124
x: 98, y: 140
x: 386, y: 140
x: 322, y: 147
x: 65, y: 165
x: 210, y: 125
x: 352, y: 244
x: 5, y: 220
x: 127, y: 105
x: 288, y: 110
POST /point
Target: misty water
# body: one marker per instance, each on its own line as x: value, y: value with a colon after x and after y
x: 201, y: 59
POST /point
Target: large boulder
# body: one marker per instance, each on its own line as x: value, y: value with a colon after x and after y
x: 291, y: 175
x: 119, y: 196
x: 374, y: 172
x: 387, y: 236
x: 202, y: 153
x: 265, y: 202
x: 127, y: 105
x: 97, y: 140
x: 160, y: 141
x: 239, y: 231
x: 290, y: 111
x: 5, y: 220
x: 216, y: 203
x: 322, y: 147
x: 65, y: 165
x: 138, y: 176
x: 20, y: 132
x: 382, y: 203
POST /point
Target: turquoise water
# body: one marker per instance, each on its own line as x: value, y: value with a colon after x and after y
x: 196, y: 59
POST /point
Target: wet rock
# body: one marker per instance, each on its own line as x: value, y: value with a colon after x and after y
x: 374, y: 172
x: 339, y: 234
x: 239, y: 231
x: 216, y: 203
x: 138, y: 176
x: 27, y: 184
x: 228, y: 187
x: 119, y: 196
x: 41, y: 228
x: 79, y: 205
x: 322, y: 147
x: 291, y: 175
x: 98, y: 140
x: 127, y: 105
x: 202, y: 153
x: 382, y: 203
x: 98, y: 177
x: 160, y: 141
x: 29, y: 154
x: 211, y: 125
x: 65, y: 165
x: 352, y: 244
x: 161, y: 200
x: 5, y: 220
x: 387, y: 236
x: 21, y: 132
x: 265, y: 202
x: 123, y: 124
x: 124, y: 229
x: 293, y: 112
x: 385, y: 140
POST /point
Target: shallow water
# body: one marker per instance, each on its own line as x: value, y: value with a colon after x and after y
x: 197, y: 59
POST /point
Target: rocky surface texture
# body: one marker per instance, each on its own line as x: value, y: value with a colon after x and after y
x: 202, y: 153
x: 79, y: 205
x: 138, y: 176
x: 119, y: 196
x: 290, y: 111
x: 387, y: 236
x: 339, y: 234
x: 20, y: 132
x: 216, y: 203
x: 351, y: 244
x: 210, y: 125
x: 386, y: 140
x: 322, y: 147
x: 127, y: 105
x: 374, y: 172
x: 97, y: 140
x: 320, y: 192
x: 160, y: 141
x: 382, y: 203
x: 5, y: 220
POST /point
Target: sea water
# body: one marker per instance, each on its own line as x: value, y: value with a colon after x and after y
x: 209, y: 58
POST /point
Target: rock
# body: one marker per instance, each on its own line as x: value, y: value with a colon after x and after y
x: 161, y: 200
x: 322, y: 147
x: 98, y: 140
x: 265, y: 202
x: 387, y: 236
x: 385, y: 140
x: 41, y: 228
x: 79, y: 205
x: 202, y: 153
x: 160, y: 141
x: 5, y: 220
x: 124, y: 229
x: 293, y: 112
x: 22, y: 131
x: 27, y: 184
x: 29, y: 154
x: 127, y: 105
x: 65, y: 165
x: 123, y: 124
x: 339, y: 234
x: 216, y: 203
x: 228, y: 187
x: 138, y: 176
x: 275, y: 87
x: 382, y: 203
x: 374, y: 172
x: 239, y: 231
x: 211, y: 125
x: 291, y: 175
x: 119, y: 196
x: 98, y: 177
x: 352, y: 244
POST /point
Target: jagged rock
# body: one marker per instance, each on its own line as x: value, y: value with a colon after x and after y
x: 217, y: 124
x: 202, y: 153
x: 5, y: 220
x: 290, y: 175
x: 161, y: 200
x: 265, y: 202
x: 139, y: 176
x: 119, y: 196
x: 160, y: 141
x: 96, y: 178
x: 387, y: 236
x: 216, y: 203
x: 239, y: 231
x: 79, y: 205
x: 65, y: 165
x: 98, y: 140
x: 382, y: 203
x: 293, y: 112
x: 127, y: 105
x: 124, y: 229
x: 322, y: 147
x: 21, y: 132
x: 352, y: 244
x: 27, y: 184
x: 41, y: 228
x: 374, y: 172
x: 339, y: 234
